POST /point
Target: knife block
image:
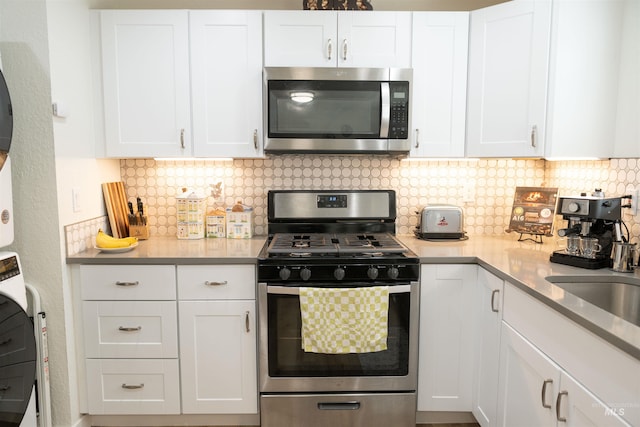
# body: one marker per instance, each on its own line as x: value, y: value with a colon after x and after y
x: 139, y: 231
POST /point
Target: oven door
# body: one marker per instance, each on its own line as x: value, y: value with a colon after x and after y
x: 285, y: 367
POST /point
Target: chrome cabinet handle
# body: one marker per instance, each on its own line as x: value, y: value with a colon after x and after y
x: 208, y: 283
x: 136, y: 283
x: 534, y: 135
x: 493, y: 300
x: 329, y: 49
x: 247, y: 325
x: 417, y: 138
x: 544, y: 393
x: 345, y: 46
x: 130, y: 328
x: 4, y: 387
x: 558, y: 404
x: 132, y: 386
x: 255, y: 139
x: 181, y: 138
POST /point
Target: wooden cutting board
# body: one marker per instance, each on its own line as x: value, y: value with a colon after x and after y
x: 115, y: 199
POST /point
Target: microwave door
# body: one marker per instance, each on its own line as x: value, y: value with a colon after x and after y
x: 385, y: 109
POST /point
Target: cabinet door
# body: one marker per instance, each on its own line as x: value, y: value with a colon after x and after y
x: 218, y: 357
x: 226, y: 76
x: 627, y: 142
x: 508, y: 69
x: 374, y: 39
x: 583, y: 83
x: 487, y: 367
x: 446, y: 337
x: 145, y: 71
x: 439, y: 57
x: 529, y: 383
x: 300, y: 39
x: 580, y: 408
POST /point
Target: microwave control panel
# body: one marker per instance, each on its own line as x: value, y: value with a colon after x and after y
x: 399, y: 117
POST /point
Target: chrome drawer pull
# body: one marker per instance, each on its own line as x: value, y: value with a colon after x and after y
x: 544, y: 393
x: 132, y: 386
x: 208, y: 283
x: 130, y: 329
x: 136, y: 283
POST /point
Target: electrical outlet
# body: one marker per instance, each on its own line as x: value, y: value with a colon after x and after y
x: 635, y: 192
x: 75, y: 199
x: 468, y: 192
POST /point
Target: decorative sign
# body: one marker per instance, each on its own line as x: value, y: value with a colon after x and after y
x: 533, y: 210
x: 336, y: 5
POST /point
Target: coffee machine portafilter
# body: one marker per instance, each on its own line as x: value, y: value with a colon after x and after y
x: 590, y: 218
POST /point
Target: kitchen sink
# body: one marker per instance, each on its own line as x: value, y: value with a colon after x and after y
x: 618, y: 295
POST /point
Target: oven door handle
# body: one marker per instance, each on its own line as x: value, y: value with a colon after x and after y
x: 295, y: 290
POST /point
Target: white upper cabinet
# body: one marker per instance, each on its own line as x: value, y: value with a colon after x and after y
x: 226, y: 79
x: 543, y: 79
x: 344, y: 39
x: 583, y: 78
x: 627, y: 141
x: 145, y: 83
x: 508, y: 62
x: 439, y: 59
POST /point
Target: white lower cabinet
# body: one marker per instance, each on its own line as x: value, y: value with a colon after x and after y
x: 167, y: 340
x: 536, y: 392
x: 555, y: 372
x: 445, y: 367
x: 133, y: 386
x: 488, y: 317
x: 130, y: 339
x: 218, y: 359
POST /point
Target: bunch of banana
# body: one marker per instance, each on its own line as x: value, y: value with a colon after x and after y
x: 103, y: 240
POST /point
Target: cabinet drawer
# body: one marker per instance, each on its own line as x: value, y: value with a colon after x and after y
x: 128, y: 386
x: 128, y: 282
x: 137, y: 329
x: 217, y: 282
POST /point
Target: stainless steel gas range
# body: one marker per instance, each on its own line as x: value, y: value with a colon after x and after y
x: 335, y: 241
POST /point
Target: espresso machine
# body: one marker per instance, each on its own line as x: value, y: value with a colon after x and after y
x: 593, y: 225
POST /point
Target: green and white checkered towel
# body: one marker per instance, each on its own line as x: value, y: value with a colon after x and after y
x: 344, y: 320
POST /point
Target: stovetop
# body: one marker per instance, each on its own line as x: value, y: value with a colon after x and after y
x: 330, y: 258
x: 330, y: 244
x: 334, y: 236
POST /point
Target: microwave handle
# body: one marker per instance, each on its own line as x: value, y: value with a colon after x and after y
x: 385, y: 108
x: 294, y: 290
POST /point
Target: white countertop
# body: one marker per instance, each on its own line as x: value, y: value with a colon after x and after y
x: 525, y: 264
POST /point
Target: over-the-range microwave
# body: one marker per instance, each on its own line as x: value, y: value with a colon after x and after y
x: 337, y: 110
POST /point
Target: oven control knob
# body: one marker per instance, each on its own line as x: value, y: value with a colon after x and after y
x: 393, y: 273
x: 338, y: 273
x: 372, y: 273
x: 305, y: 274
x: 285, y: 273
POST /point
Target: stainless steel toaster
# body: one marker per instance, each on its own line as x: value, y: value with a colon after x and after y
x: 441, y: 222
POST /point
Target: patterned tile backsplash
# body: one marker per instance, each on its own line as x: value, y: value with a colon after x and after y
x: 484, y: 188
